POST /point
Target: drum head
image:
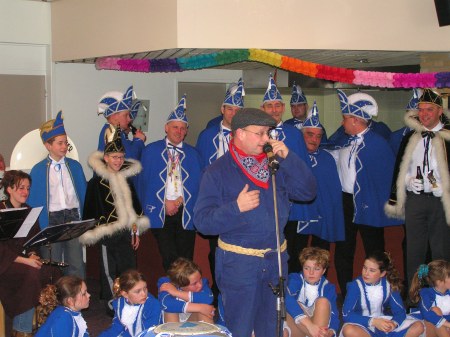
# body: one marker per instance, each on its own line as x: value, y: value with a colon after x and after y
x: 186, y: 329
x: 29, y: 151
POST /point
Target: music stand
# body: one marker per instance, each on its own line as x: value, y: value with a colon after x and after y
x: 59, y: 233
x: 11, y: 219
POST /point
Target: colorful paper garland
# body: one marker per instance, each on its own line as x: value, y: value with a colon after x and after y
x: 310, y: 69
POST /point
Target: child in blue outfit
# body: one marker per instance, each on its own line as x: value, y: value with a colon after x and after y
x: 68, y: 297
x: 184, y: 295
x: 311, y: 298
x: 135, y: 309
x: 369, y: 296
x: 59, y: 185
x: 430, y: 287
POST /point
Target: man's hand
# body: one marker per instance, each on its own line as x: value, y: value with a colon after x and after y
x: 415, y: 185
x: 171, y: 207
x: 248, y: 200
x: 139, y: 134
x: 135, y: 240
x: 279, y: 148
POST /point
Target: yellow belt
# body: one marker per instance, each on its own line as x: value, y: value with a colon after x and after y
x: 247, y: 251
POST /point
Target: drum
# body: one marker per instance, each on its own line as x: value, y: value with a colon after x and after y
x: 186, y: 329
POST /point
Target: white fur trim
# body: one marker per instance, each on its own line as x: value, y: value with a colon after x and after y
x: 122, y: 200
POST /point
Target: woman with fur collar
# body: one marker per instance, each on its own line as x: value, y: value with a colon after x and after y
x: 112, y: 200
x: 424, y: 204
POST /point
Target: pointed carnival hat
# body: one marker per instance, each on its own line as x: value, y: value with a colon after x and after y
x: 179, y: 113
x: 235, y: 94
x: 115, y: 101
x: 134, y: 109
x: 52, y: 128
x: 115, y: 145
x: 298, y: 97
x: 272, y: 93
x: 360, y: 105
x: 431, y: 97
x: 313, y: 118
x: 413, y: 103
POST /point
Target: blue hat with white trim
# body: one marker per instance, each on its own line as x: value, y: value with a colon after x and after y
x: 272, y: 93
x: 52, y: 128
x: 298, y: 97
x: 179, y: 113
x: 360, y: 105
x: 313, y: 118
x: 134, y: 109
x: 115, y: 101
x: 235, y: 94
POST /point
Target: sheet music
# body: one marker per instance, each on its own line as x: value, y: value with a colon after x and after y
x: 28, y: 223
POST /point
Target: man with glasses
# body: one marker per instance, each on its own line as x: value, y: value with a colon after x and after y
x: 235, y: 201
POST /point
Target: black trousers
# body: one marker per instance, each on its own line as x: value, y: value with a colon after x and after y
x: 117, y: 255
x: 372, y: 238
x: 173, y: 240
x: 296, y: 242
x: 426, y: 227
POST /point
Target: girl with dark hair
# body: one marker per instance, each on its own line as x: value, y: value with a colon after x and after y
x: 368, y: 298
x: 68, y: 297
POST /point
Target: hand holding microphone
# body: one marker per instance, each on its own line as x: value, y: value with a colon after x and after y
x: 275, y: 147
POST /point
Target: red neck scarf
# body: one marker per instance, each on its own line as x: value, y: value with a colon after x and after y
x: 256, y: 168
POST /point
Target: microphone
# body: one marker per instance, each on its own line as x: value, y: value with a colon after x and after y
x: 273, y: 162
x: 132, y: 128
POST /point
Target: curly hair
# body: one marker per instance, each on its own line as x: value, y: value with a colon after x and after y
x: 385, y: 263
x: 321, y: 256
x: 180, y: 270
x: 427, y: 275
x: 126, y: 281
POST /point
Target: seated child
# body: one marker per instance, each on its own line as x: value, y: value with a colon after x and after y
x: 184, y: 295
x: 68, y: 297
x: 135, y: 309
x: 368, y: 298
x: 311, y: 298
x: 430, y: 287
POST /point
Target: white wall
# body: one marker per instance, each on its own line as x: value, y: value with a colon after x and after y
x: 78, y: 87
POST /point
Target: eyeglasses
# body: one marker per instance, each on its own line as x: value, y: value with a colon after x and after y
x: 260, y: 134
x: 117, y: 157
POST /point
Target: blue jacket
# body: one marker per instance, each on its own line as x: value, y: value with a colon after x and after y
x: 217, y: 213
x: 149, y: 315
x: 429, y: 297
x: 208, y: 144
x: 39, y: 192
x: 356, y: 308
x: 176, y: 305
x: 296, y: 284
x: 152, y: 182
x: 340, y: 138
x: 61, y: 323
x: 326, y: 212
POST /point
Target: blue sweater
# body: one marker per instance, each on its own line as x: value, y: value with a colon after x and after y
x: 61, y: 323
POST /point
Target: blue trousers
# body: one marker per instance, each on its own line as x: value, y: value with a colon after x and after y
x: 24, y: 321
x: 71, y: 250
x: 248, y: 300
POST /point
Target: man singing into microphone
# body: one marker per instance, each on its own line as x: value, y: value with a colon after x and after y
x: 235, y: 201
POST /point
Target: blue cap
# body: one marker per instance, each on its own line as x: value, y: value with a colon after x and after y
x: 134, y: 109
x: 272, y: 93
x: 114, y: 101
x: 413, y: 103
x: 235, y: 95
x: 313, y: 118
x: 179, y: 113
x: 359, y: 105
x: 52, y: 128
x: 298, y: 97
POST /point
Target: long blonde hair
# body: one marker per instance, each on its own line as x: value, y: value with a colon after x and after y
x: 428, y: 275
